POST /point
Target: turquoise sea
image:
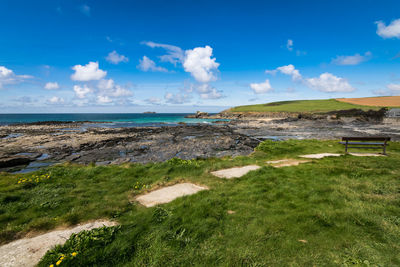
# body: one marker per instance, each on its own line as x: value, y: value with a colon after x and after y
x: 114, y: 119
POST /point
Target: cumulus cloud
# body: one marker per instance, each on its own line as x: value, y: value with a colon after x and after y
x: 200, y: 65
x: 85, y: 9
x: 101, y: 99
x: 390, y: 31
x: 56, y: 100
x: 261, y: 88
x: 89, y: 72
x: 51, y: 86
x: 7, y: 76
x: 289, y: 45
x: 291, y: 71
x: 178, y: 98
x: 174, y: 54
x: 207, y: 91
x: 82, y: 91
x: 394, y: 87
x: 146, y: 64
x: 115, y: 58
x: 329, y: 83
x: 351, y: 60
x: 287, y: 70
x: 110, y: 89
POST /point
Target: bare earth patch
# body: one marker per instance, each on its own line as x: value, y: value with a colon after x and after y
x: 235, y: 172
x: 29, y: 251
x: 286, y: 162
x: 320, y: 155
x: 168, y: 194
x: 383, y: 101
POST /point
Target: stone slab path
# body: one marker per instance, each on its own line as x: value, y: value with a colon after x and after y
x: 235, y: 172
x: 167, y: 194
x: 28, y: 251
x: 286, y: 162
x: 320, y: 155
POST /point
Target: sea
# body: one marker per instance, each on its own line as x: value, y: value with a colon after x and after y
x: 107, y: 119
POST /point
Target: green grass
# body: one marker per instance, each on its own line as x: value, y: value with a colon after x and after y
x: 345, y: 208
x: 312, y: 106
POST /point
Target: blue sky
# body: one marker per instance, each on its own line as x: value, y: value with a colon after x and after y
x: 183, y: 56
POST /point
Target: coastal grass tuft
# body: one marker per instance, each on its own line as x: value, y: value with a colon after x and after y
x: 307, y: 106
x: 333, y: 211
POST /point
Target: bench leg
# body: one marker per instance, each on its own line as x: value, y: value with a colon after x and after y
x: 384, y: 149
x: 346, y: 146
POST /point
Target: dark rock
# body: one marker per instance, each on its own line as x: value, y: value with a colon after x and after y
x: 14, y: 161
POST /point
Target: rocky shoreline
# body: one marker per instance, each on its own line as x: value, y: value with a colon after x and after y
x: 35, y: 145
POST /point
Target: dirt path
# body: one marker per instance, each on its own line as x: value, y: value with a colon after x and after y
x: 28, y: 251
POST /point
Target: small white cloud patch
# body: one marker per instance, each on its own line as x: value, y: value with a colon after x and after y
x: 291, y: 71
x: 261, y: 88
x: 7, y: 76
x: 82, y: 91
x: 56, y: 100
x: 289, y: 45
x: 352, y: 60
x: 115, y: 58
x: 146, y: 64
x: 51, y: 86
x: 329, y: 83
x: 390, y: 31
x: 89, y: 72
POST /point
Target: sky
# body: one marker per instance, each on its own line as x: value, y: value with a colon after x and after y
x: 73, y: 56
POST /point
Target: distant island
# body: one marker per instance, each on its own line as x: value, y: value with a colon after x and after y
x: 149, y: 112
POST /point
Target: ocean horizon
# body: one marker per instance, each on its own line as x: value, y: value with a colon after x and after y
x: 114, y: 119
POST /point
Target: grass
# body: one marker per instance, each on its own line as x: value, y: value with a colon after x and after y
x: 312, y: 106
x: 334, y: 211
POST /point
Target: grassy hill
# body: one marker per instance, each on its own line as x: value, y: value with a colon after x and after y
x: 312, y: 106
x: 338, y: 211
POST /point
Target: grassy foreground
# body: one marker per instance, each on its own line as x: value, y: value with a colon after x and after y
x: 334, y: 211
x: 312, y: 106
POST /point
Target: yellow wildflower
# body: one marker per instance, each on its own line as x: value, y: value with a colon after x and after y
x: 51, y: 265
x: 74, y: 254
x: 58, y: 262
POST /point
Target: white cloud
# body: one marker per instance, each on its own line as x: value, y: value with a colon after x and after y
x: 56, y: 100
x: 200, y: 65
x: 207, y: 91
x: 82, y: 91
x: 89, y: 72
x: 110, y: 89
x: 390, y: 31
x: 174, y: 54
x: 291, y: 71
x: 51, y: 86
x: 289, y: 45
x: 287, y: 70
x: 178, y: 98
x: 394, y: 87
x: 103, y: 99
x: 146, y: 64
x: 85, y: 9
x: 115, y: 58
x: 351, y: 60
x: 329, y: 83
x: 7, y: 76
x: 261, y: 88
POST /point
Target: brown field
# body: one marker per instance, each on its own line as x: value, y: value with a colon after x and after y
x: 383, y: 101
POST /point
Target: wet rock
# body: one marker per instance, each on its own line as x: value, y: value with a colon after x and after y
x: 14, y: 161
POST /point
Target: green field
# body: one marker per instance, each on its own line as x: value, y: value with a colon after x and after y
x: 312, y: 106
x: 333, y: 211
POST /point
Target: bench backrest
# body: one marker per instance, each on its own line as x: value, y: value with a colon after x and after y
x: 372, y: 138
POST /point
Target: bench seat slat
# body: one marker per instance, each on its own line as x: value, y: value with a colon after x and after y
x: 372, y: 138
x: 363, y: 143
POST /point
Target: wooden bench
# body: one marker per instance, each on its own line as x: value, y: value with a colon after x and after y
x: 366, y: 142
